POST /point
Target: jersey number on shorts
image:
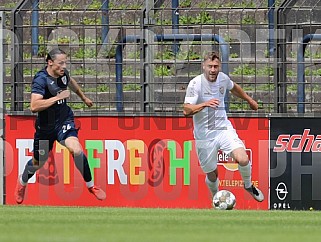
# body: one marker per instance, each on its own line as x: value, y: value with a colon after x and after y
x: 65, y: 128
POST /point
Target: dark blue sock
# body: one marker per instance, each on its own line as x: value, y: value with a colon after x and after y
x: 29, y: 171
x: 82, y: 165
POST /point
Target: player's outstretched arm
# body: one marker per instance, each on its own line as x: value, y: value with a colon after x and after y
x: 73, y: 85
x: 239, y: 92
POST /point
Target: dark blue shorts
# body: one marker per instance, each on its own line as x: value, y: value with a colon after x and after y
x: 44, y: 139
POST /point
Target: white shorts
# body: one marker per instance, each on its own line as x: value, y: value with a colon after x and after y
x: 226, y: 141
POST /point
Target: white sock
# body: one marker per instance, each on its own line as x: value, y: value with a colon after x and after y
x: 90, y: 184
x: 246, y: 173
x: 213, y: 186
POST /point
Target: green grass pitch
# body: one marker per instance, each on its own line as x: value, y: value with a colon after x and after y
x: 64, y: 224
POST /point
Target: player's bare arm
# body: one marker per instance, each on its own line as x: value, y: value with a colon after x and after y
x: 37, y: 103
x: 239, y: 92
x: 191, y: 109
x: 73, y: 85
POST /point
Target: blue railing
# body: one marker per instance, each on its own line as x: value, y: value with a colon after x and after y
x: 271, y: 8
x: 224, y: 48
x: 175, y: 23
x: 300, y: 70
x: 35, y: 27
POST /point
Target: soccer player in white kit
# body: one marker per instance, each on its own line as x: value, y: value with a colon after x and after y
x: 213, y: 131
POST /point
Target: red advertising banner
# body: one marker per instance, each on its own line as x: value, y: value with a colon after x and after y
x: 138, y: 161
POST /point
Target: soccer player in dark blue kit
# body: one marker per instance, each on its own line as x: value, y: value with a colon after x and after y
x: 55, y: 121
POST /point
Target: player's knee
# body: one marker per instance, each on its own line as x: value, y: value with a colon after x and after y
x: 76, y: 151
x: 241, y: 158
x: 243, y: 161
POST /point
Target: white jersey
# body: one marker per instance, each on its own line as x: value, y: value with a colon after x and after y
x: 209, y: 122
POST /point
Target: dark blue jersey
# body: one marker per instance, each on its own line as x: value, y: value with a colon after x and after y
x: 48, y: 87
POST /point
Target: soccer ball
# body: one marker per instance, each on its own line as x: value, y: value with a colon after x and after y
x: 224, y: 200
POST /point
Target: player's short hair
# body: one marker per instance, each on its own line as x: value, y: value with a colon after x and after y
x: 53, y: 53
x: 212, y: 56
